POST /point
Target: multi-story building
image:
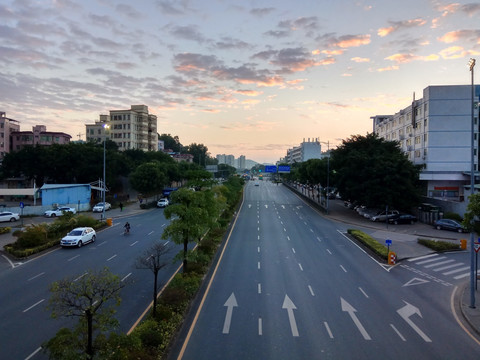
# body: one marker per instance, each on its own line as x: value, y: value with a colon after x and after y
x: 242, y: 162
x: 305, y: 151
x: 435, y: 132
x: 38, y: 136
x: 7, y: 126
x: 129, y: 129
x: 226, y: 159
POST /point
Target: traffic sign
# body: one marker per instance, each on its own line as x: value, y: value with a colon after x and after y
x: 388, y: 242
x: 270, y: 169
x: 476, y: 246
x: 283, y: 168
x: 22, y: 205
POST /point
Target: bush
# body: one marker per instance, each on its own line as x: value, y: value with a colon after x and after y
x: 452, y: 216
x: 5, y: 230
x: 379, y: 249
x: 438, y: 245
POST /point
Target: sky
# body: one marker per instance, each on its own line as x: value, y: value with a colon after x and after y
x: 248, y: 77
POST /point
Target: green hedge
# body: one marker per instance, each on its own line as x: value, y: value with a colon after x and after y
x: 439, y: 245
x: 379, y: 249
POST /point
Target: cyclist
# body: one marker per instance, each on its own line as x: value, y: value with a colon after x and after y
x: 127, y: 228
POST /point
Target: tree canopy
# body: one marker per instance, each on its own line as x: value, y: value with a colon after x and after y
x: 375, y: 172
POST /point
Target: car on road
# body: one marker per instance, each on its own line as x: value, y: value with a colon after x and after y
x: 79, y: 236
x: 9, y: 216
x: 99, y: 207
x: 162, y: 203
x: 402, y: 219
x: 449, y: 224
x: 59, y: 211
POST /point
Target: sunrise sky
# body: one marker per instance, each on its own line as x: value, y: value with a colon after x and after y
x: 246, y: 77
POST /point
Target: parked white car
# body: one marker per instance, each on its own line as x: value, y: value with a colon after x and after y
x: 59, y: 211
x: 162, y: 203
x: 99, y: 207
x: 9, y: 216
x: 79, y: 236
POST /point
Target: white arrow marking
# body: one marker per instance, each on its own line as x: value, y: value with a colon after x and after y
x: 415, y: 281
x: 351, y: 311
x: 249, y: 206
x: 290, y: 306
x: 230, y: 304
x: 283, y: 206
x: 266, y: 206
x: 409, y: 310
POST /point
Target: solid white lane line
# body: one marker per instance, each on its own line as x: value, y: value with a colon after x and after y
x: 449, y: 266
x: 42, y: 273
x: 398, y: 333
x: 78, y: 278
x: 363, y: 292
x: 126, y: 276
x: 311, y: 290
x: 260, y: 330
x: 440, y: 263
x: 328, y: 329
x: 430, y: 260
x: 422, y: 257
x: 343, y: 268
x: 33, y: 354
x: 457, y: 270
x: 31, y: 307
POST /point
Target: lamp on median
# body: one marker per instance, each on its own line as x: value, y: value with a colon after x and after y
x: 471, y: 64
x: 105, y: 128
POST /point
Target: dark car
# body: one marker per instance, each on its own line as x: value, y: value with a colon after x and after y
x: 402, y: 219
x: 449, y: 224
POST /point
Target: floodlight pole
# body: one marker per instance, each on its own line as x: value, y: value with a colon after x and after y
x: 472, y: 190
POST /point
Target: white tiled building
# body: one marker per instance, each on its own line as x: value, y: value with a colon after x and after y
x: 435, y: 131
x: 305, y: 151
x: 130, y: 129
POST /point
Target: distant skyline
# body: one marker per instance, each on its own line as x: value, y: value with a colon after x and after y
x: 251, y: 78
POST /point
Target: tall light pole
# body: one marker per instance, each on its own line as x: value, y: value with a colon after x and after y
x: 328, y: 174
x: 105, y: 127
x: 471, y: 63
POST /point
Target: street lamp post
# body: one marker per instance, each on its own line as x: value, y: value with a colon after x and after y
x: 105, y: 127
x: 328, y: 175
x: 472, y: 184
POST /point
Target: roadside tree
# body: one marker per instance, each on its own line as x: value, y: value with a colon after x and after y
x: 148, y: 178
x: 92, y: 299
x: 375, y: 172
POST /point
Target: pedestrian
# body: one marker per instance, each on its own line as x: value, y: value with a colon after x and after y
x: 121, y: 206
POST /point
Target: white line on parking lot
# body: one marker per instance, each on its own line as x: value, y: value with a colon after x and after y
x: 31, y: 307
x: 42, y: 273
x: 73, y: 258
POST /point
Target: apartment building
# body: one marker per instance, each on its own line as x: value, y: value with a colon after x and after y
x: 435, y: 132
x: 305, y: 151
x: 38, y: 136
x: 129, y: 129
x: 7, y: 126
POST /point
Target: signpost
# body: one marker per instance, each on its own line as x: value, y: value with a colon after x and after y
x: 22, y: 205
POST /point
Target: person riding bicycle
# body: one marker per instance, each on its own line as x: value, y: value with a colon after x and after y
x: 127, y: 227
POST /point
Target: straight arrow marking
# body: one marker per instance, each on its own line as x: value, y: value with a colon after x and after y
x: 230, y: 304
x: 409, y: 310
x: 290, y: 306
x: 351, y: 311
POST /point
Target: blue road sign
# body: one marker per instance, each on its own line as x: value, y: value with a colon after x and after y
x: 270, y: 169
x: 388, y: 242
x: 283, y: 169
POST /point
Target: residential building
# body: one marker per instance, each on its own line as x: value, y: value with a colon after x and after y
x: 226, y: 159
x: 305, y: 151
x: 7, y: 126
x: 242, y: 162
x: 129, y: 129
x: 435, y: 132
x: 38, y: 136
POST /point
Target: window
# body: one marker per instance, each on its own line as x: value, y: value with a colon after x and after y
x: 417, y: 140
x: 417, y: 153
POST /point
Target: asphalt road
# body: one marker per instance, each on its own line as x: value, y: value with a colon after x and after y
x: 291, y: 285
x: 25, y: 319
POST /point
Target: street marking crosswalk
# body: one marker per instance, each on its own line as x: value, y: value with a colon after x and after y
x: 443, y: 265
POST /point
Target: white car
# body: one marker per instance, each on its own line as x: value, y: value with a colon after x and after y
x: 9, y: 216
x: 162, y: 203
x: 99, y: 207
x: 59, y: 211
x: 79, y: 236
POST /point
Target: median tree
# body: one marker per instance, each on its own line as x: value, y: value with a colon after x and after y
x: 91, y: 298
x: 375, y: 172
x: 153, y: 259
x: 190, y: 219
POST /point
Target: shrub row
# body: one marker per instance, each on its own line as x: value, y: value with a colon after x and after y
x: 379, y: 249
x: 439, y: 245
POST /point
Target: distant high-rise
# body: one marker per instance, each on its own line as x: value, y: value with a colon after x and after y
x: 129, y: 129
